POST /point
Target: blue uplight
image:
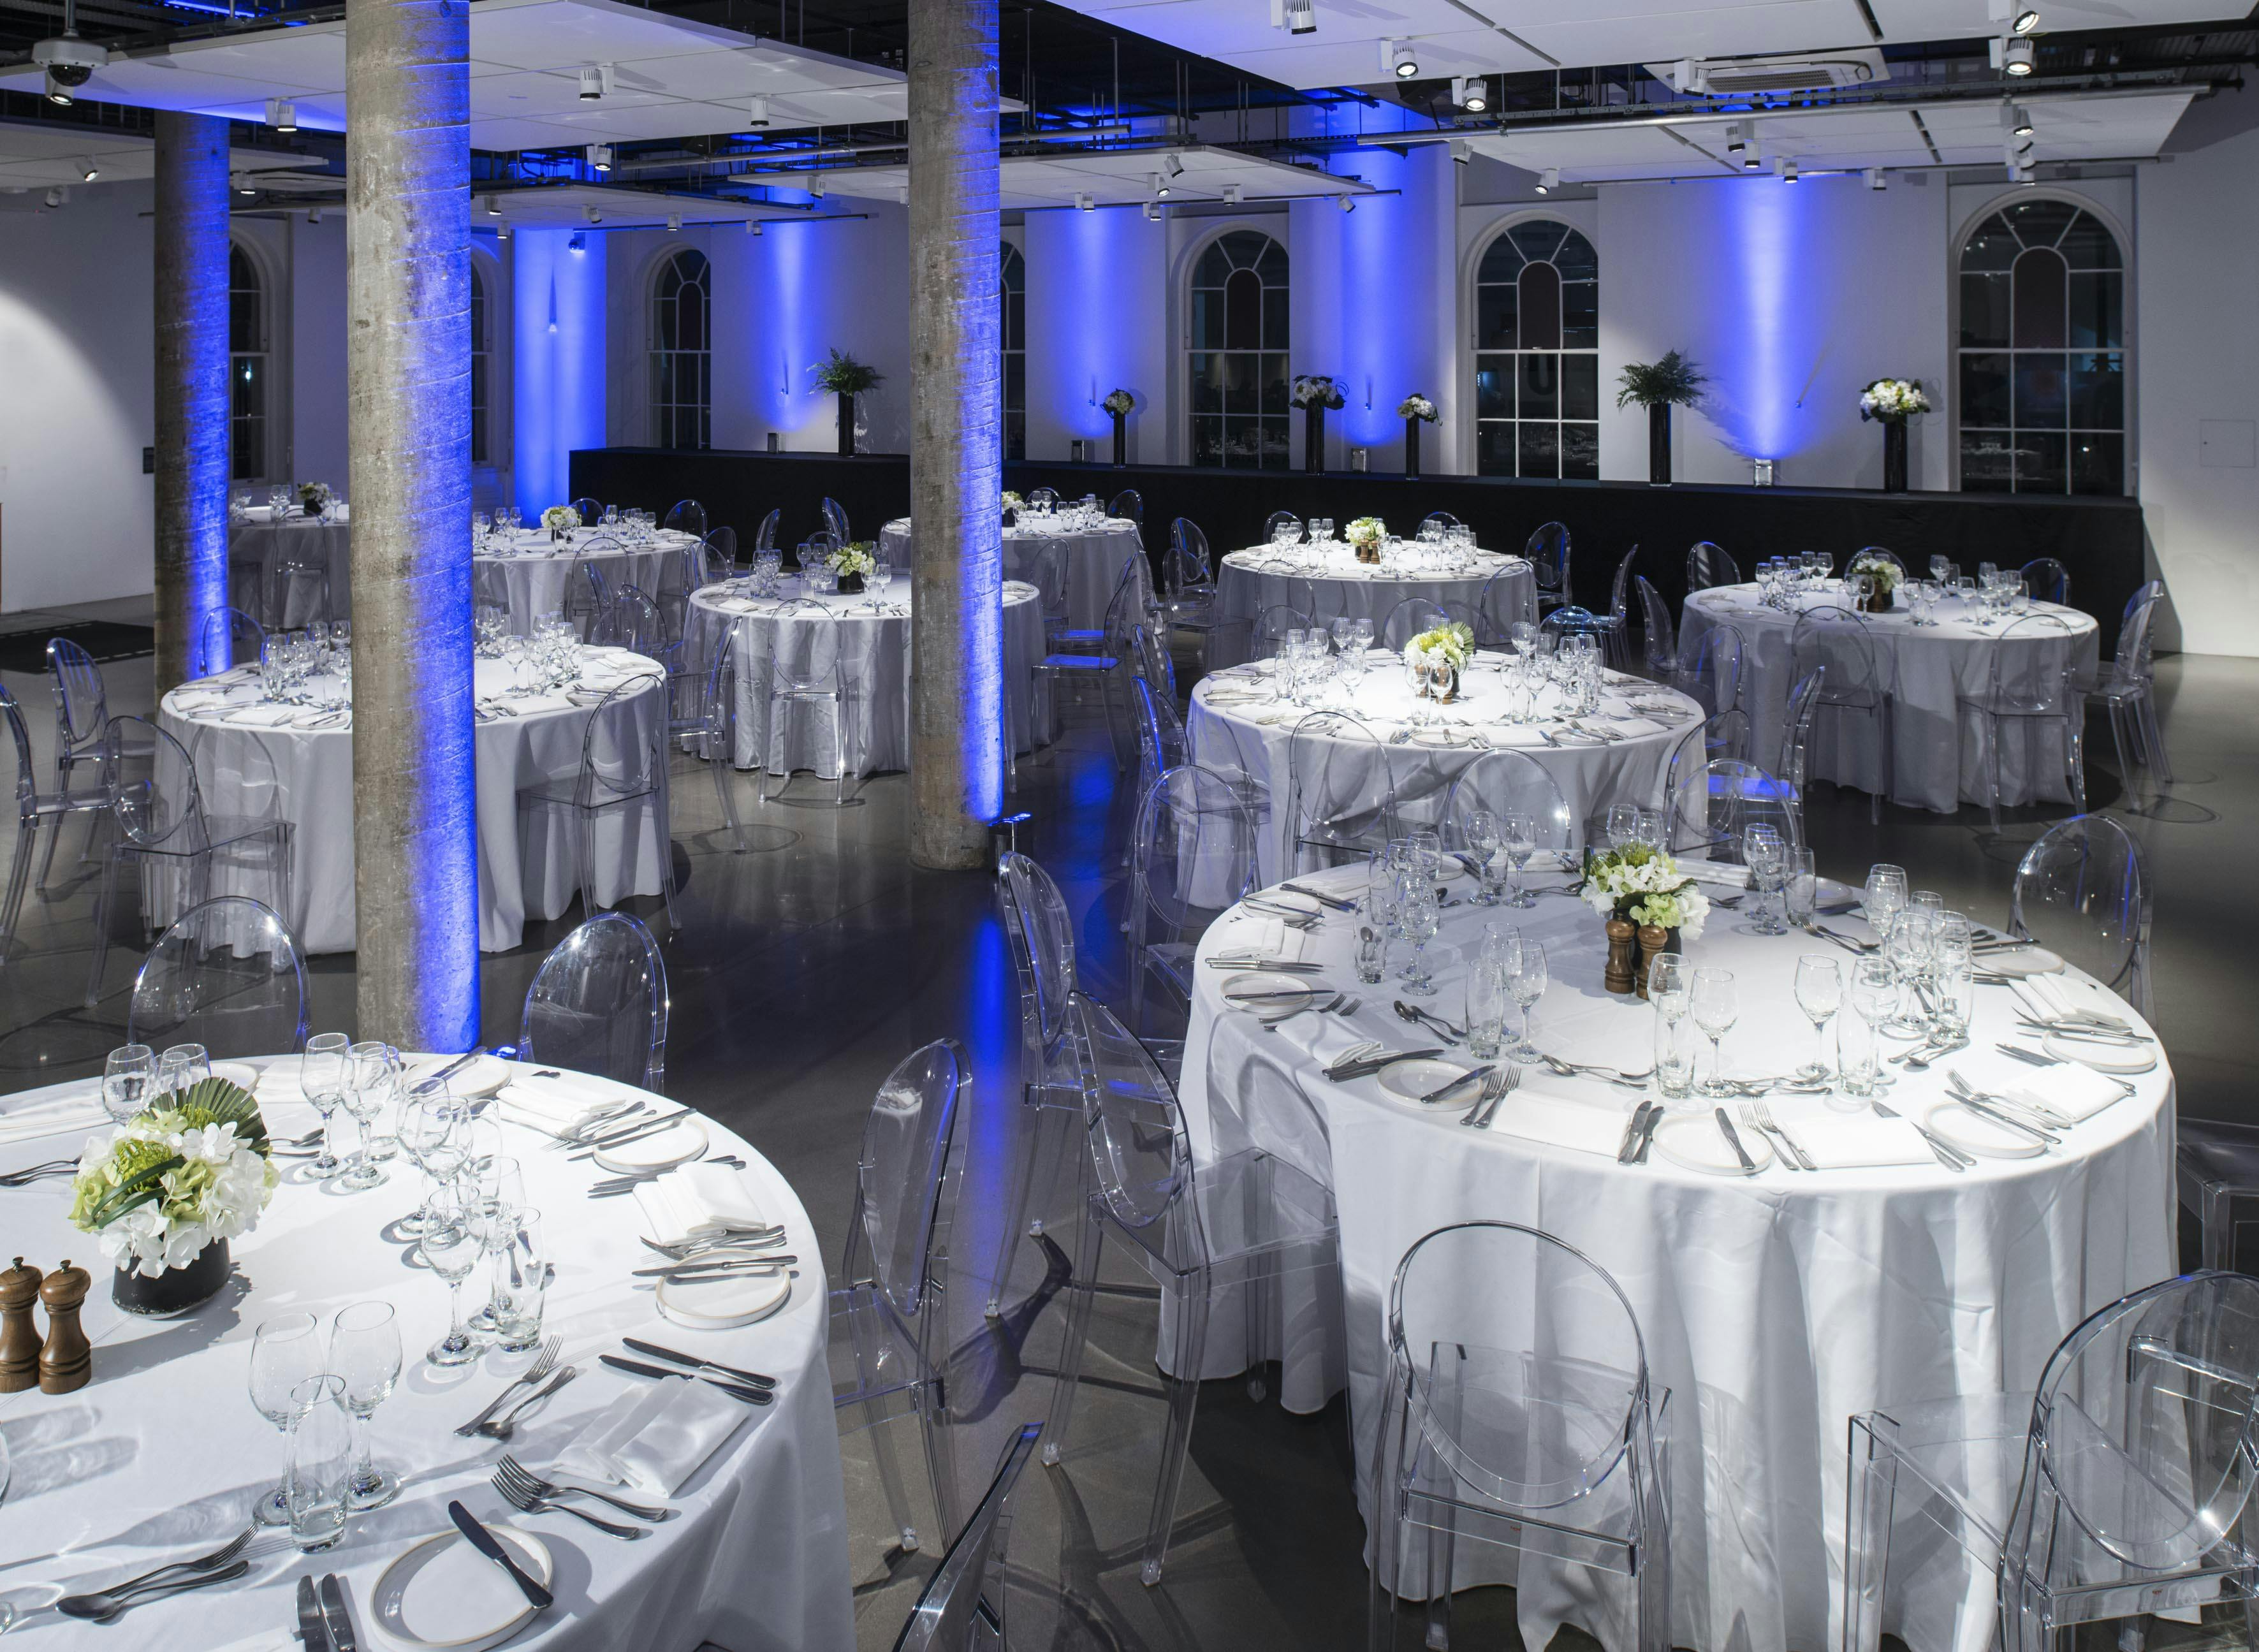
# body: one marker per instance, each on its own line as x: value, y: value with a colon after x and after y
x: 559, y: 332
x: 1765, y: 342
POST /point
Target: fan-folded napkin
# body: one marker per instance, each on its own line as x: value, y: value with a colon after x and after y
x: 654, y: 1439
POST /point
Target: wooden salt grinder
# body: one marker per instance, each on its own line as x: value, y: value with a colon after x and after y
x: 19, y: 1337
x: 66, y: 1362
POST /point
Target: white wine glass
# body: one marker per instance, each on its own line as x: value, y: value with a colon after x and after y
x: 1518, y: 836
x: 1716, y: 1004
x: 125, y: 1081
x: 450, y: 1247
x: 284, y: 1353
x: 324, y: 1073
x: 1819, y: 995
x: 365, y: 1355
x: 1527, y: 977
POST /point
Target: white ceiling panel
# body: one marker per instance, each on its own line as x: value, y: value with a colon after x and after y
x: 35, y: 154
x: 1954, y: 19
x: 567, y: 206
x: 1033, y: 183
x: 1741, y: 31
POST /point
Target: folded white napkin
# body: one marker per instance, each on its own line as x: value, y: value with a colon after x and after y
x: 1725, y: 874
x: 535, y: 705
x: 263, y: 716
x: 1629, y: 724
x: 57, y: 1116
x: 697, y: 1201
x: 561, y: 1106
x: 1855, y: 1141
x: 1325, y: 1039
x: 654, y: 1438
x: 1537, y: 1118
x: 1250, y: 936
x: 2075, y: 1091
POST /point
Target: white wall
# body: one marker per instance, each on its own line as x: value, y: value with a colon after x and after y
x: 1097, y: 310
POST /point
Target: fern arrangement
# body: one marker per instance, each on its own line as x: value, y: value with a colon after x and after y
x: 1674, y: 380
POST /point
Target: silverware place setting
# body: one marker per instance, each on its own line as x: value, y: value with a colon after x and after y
x: 543, y: 1364
x: 219, y: 1566
x: 31, y: 1174
x: 504, y: 1426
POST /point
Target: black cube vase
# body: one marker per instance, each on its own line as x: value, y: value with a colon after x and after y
x: 1894, y: 456
x: 1121, y: 439
x: 1658, y: 444
x: 1412, y: 447
x: 847, y: 424
x: 1313, y: 439
x: 175, y: 1290
x: 851, y: 585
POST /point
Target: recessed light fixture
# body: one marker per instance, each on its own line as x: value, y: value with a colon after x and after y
x: 592, y: 84
x: 2019, y: 57
x: 757, y: 111
x: 1788, y: 172
x: 57, y: 195
x: 600, y: 157
x: 1399, y: 59
x: 494, y: 206
x: 244, y: 186
x: 1549, y: 180
x: 87, y: 171
x: 674, y: 224
x: 1875, y: 178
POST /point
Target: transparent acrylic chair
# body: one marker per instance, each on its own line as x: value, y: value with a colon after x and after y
x: 1497, y: 781
x: 2216, y: 1170
x: 835, y: 523
x: 1128, y: 505
x: 298, y: 591
x: 226, y: 976
x: 2083, y: 893
x: 961, y: 1608
x: 1724, y: 737
x: 1160, y: 732
x: 1548, y: 555
x: 715, y: 558
x: 230, y: 637
x: 1191, y: 604
x: 32, y: 808
x: 598, y: 1004
x: 156, y: 806
x: 1713, y: 676
x: 1109, y: 667
x: 630, y: 620
x: 1279, y: 519
x: 2127, y: 689
x: 889, y: 1331
x: 1040, y: 932
x: 1571, y: 620
x: 2047, y: 581
x: 2119, y: 1487
x: 1441, y: 518
x: 2031, y: 687
x: 1711, y: 807
x: 1407, y: 620
x: 1502, y: 607
x: 1342, y: 799
x: 587, y: 594
x: 1658, y: 635
x: 1231, y: 1222
x: 702, y: 713
x: 1518, y: 1413
x: 1859, y: 684
x: 687, y: 515
x: 764, y: 536
x: 81, y: 741
x: 808, y: 673
x: 1192, y: 856
x: 1268, y: 634
x: 1615, y: 624
x: 1045, y: 567
x: 590, y: 510
x: 1707, y: 566
x: 622, y: 778
x: 1793, y: 770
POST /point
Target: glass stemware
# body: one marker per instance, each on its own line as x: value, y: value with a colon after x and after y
x: 284, y: 1353
x: 1485, y: 847
x: 368, y: 1090
x: 521, y: 1282
x: 1715, y: 1001
x: 450, y: 1246
x: 1669, y: 982
x: 180, y: 1068
x: 1765, y: 854
x: 1874, y: 995
x: 1518, y: 838
x: 1819, y: 994
x: 325, y: 1075
x: 435, y: 1133
x: 364, y: 1355
x: 1418, y: 916
x: 501, y: 1188
x: 1886, y: 893
x: 1527, y: 977
x: 321, y: 1463
x: 125, y: 1081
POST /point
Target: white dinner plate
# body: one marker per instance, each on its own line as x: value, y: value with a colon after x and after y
x: 652, y: 1155
x: 1987, y: 1138
x: 1236, y: 987
x: 719, y: 1304
x: 445, y: 1593
x: 241, y: 1074
x: 2120, y: 1058
x: 1409, y: 1080
x: 480, y: 1075
x: 1693, y: 1141
x: 2023, y: 960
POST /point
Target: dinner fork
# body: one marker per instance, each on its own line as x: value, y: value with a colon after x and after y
x: 504, y: 1426
x: 219, y: 1557
x: 519, y: 1498
x: 509, y: 1468
x: 541, y: 1367
x: 1765, y: 1121
x: 1507, y: 1082
x: 33, y: 1172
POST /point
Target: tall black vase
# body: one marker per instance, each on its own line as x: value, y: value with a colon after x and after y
x: 1412, y: 447
x: 1658, y: 444
x: 1313, y: 439
x: 1894, y: 456
x: 847, y: 424
x: 1121, y: 439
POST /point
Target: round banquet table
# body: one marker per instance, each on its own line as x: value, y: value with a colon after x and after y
x: 159, y: 1457
x: 875, y: 662
x: 1095, y: 551
x: 526, y: 572
x: 264, y: 761
x: 1773, y: 1308
x: 256, y: 542
x: 1327, y: 582
x: 1241, y: 723
x: 1940, y: 758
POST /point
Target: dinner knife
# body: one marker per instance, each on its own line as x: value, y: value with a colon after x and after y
x: 718, y: 1264
x: 1368, y: 1066
x: 751, y: 1396
x: 753, y: 1377
x: 1633, y: 1128
x: 426, y: 1085
x: 317, y: 1638
x: 334, y: 1614
x: 1472, y: 1076
x: 486, y: 1542
x: 1734, y: 1141
x: 1647, y: 1136
x: 1335, y: 902
x: 648, y: 1127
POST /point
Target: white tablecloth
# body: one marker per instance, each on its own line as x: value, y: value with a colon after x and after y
x: 1773, y: 1308
x: 875, y: 664
x: 159, y: 1457
x: 529, y: 580
x: 1095, y: 555
x: 304, y: 775
x: 1251, y: 737
x: 1940, y: 755
x: 257, y: 543
x: 1327, y: 582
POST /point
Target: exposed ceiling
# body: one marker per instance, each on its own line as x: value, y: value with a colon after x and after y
x: 1122, y: 178
x: 37, y: 156
x: 571, y: 206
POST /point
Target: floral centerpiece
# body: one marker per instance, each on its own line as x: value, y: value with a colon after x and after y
x: 1120, y: 404
x: 1883, y: 577
x: 1892, y: 402
x: 850, y: 563
x: 845, y: 378
x: 1658, y: 385
x: 561, y: 520
x: 316, y: 497
x: 1013, y: 503
x: 1415, y: 410
x: 1365, y: 533
x: 1435, y: 659
x: 1313, y: 393
x: 1646, y: 901
x: 164, y: 1192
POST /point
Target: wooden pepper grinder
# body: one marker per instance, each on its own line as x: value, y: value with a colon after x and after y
x: 20, y: 1338
x: 67, y: 1362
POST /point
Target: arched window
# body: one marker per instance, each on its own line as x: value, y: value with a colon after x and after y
x: 247, y: 368
x: 1012, y: 277
x: 681, y: 363
x: 1538, y: 364
x: 481, y: 366
x: 2043, y: 349
x: 1237, y: 353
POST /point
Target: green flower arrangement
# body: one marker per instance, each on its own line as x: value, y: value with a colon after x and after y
x: 1366, y: 530
x: 1643, y: 885
x: 842, y: 374
x: 157, y: 1189
x: 1453, y: 642
x: 854, y: 558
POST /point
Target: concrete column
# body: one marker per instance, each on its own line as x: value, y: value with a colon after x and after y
x: 408, y: 426
x: 957, y: 659
x: 191, y: 401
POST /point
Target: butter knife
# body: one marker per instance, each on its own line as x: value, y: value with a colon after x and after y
x: 1734, y: 1141
x: 316, y: 1638
x: 334, y: 1614
x: 487, y: 1544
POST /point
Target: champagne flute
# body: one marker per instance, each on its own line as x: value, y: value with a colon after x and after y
x: 1819, y: 994
x: 1669, y: 982
x: 1716, y: 1004
x: 1419, y: 915
x: 1885, y: 895
x: 284, y: 1353
x: 450, y: 1246
x: 365, y: 1354
x: 1526, y: 978
x: 125, y: 1081
x: 323, y: 1073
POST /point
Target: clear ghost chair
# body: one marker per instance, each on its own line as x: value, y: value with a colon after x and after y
x: 2047, y: 581
x: 2216, y: 1168
x: 1708, y: 565
x: 1518, y: 1413
x: 1497, y: 781
x: 630, y: 620
x: 598, y: 1004
x: 1441, y: 518
x: 1880, y: 553
x: 716, y: 557
x: 1724, y: 737
x: 1711, y: 807
x: 962, y: 1606
x: 1108, y: 666
x: 1860, y: 681
x: 889, y: 1327
x: 298, y: 586
x: 1160, y: 733
x: 1192, y: 856
x: 688, y: 516
x: 1467, y: 614
x: 702, y: 714
x: 1503, y: 605
x: 1660, y: 635
x: 2119, y: 1487
x: 587, y: 592
x: 622, y: 778
x: 2083, y: 893
x: 1713, y: 677
x: 1151, y: 661
x: 2127, y: 687
x: 1614, y: 626
x: 765, y: 539
x: 1793, y: 769
x: 1191, y: 604
x: 32, y: 808
x: 808, y: 671
x: 157, y: 806
x: 590, y: 510
x: 2031, y: 686
x: 1407, y: 620
x: 1279, y: 519
x: 1232, y: 1221
x: 226, y: 976
x: 1268, y: 635
x: 1128, y: 506
x: 1572, y: 621
x: 1342, y: 800
x: 1040, y: 933
x: 1548, y: 554
x: 81, y: 740
x: 835, y: 523
x: 230, y: 637
x: 1045, y: 569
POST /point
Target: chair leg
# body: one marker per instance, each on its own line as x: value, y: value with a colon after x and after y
x: 667, y: 855
x: 2153, y: 739
x: 19, y: 874
x: 62, y: 788
x: 1090, y: 1248
x: 1184, y: 1398
x: 1867, y: 1538
x: 1016, y: 1213
x: 101, y: 904
x: 1993, y: 739
x: 2118, y: 716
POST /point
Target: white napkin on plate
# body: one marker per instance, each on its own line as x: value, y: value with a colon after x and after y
x: 1537, y: 1118
x: 1255, y: 940
x: 654, y: 1438
x: 2077, y: 1093
x: 1724, y: 873
x: 698, y: 1200
x: 1325, y: 1039
x: 57, y: 1116
x: 562, y: 1106
x: 1852, y: 1142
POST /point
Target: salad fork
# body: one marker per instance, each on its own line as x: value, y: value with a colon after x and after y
x: 526, y: 1480
x: 519, y: 1498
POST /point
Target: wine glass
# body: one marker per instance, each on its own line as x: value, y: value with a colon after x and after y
x: 181, y: 1068
x: 367, y: 1091
x: 284, y: 1353
x: 450, y: 1246
x: 1518, y: 837
x: 1715, y: 1003
x: 125, y: 1079
x: 1885, y: 892
x: 1418, y: 916
x: 1874, y: 994
x: 883, y: 575
x: 321, y: 1463
x: 1819, y: 994
x: 500, y: 1188
x: 1765, y: 854
x: 325, y: 1075
x: 1622, y: 824
x: 365, y: 1354
x: 1479, y: 829
x: 1669, y: 981
x: 1526, y: 978
x: 435, y: 1133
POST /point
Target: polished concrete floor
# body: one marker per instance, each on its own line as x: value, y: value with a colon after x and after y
x: 804, y: 972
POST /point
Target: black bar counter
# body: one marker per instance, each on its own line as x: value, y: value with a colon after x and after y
x: 2100, y: 540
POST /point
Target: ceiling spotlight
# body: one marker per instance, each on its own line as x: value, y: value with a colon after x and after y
x: 502, y: 230
x: 2019, y: 57
x: 1736, y: 142
x: 592, y: 84
x: 579, y: 243
x: 1301, y: 17
x: 674, y: 224
x: 1788, y: 173
x: 1462, y: 151
x: 57, y: 195
x: 2026, y: 20
x: 600, y: 157
x: 1173, y: 164
x: 57, y: 91
x: 1875, y: 178
x: 1399, y: 59
x: 757, y: 112
x: 494, y: 206
x: 1083, y: 203
x: 244, y: 186
x: 1549, y: 180
x: 313, y: 214
x: 1160, y: 186
x: 753, y: 225
x: 1347, y: 204
x: 282, y: 114
x: 70, y: 62
x: 590, y: 213
x: 1152, y: 211
x: 2020, y: 120
x: 816, y: 187
x: 1477, y: 98
x: 1232, y: 195
x: 87, y: 171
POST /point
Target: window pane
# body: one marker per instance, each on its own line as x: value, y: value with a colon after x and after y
x: 2040, y: 462
x: 1540, y: 307
x: 1208, y: 319
x: 1575, y: 261
x: 1206, y: 384
x: 2041, y: 223
x: 1270, y: 258
x: 2098, y: 392
x: 1985, y: 391
x: 2097, y: 302
x: 1214, y: 266
x: 1493, y: 387
x: 1580, y: 387
x: 248, y: 383
x: 1993, y: 247
x: 1272, y: 369
x: 1539, y: 390
x: 1016, y: 380
x: 243, y: 321
x: 1242, y: 312
x: 1540, y: 448
x: 1580, y: 316
x: 1494, y: 449
x: 1580, y: 453
x: 1275, y: 450
x: 1501, y: 264
x: 1237, y: 372
x: 1984, y: 310
x: 2086, y: 244
x: 1495, y: 307
x: 1274, y: 318
x: 2098, y: 464
x: 2040, y: 296
x: 1016, y: 321
x: 1538, y: 237
x: 2040, y: 399
x: 1987, y: 465
x: 1207, y: 441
